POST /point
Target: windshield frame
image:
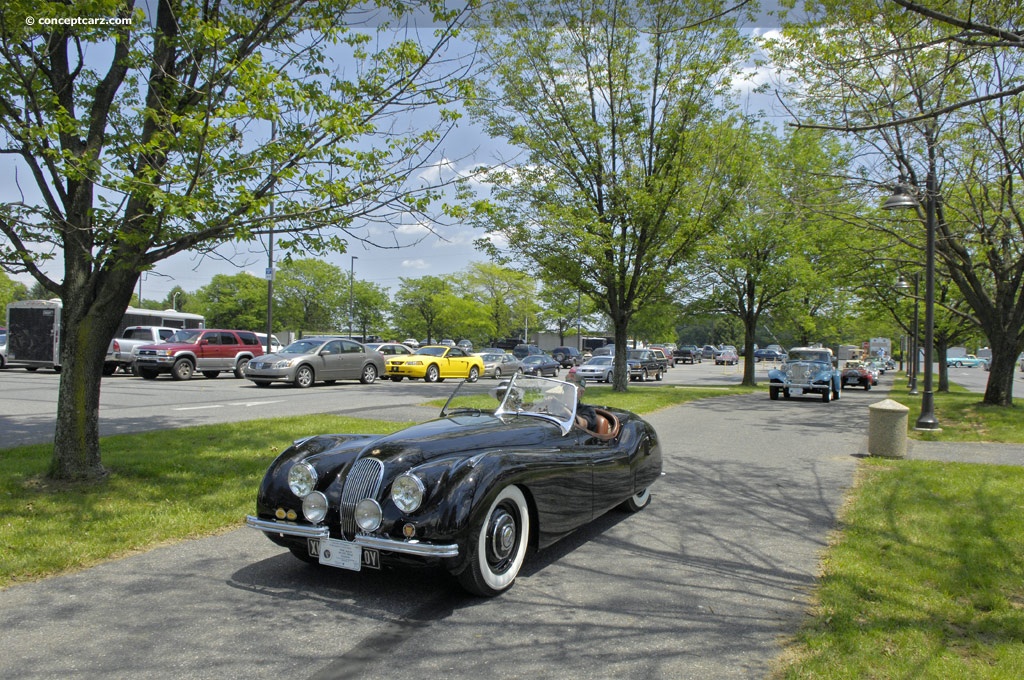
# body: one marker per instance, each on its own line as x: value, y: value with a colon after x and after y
x: 537, y: 397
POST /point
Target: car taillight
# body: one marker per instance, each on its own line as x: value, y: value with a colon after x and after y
x: 117, y: 346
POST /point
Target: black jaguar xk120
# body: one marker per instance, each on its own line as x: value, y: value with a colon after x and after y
x: 470, y: 491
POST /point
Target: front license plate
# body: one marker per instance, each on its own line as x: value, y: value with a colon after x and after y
x: 343, y: 554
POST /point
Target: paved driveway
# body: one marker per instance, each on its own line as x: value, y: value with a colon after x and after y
x: 704, y: 583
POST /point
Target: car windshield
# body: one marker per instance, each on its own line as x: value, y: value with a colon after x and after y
x: 808, y: 355
x: 533, y: 359
x: 302, y: 346
x: 432, y: 351
x: 599, y: 361
x: 184, y: 336
x: 542, y: 397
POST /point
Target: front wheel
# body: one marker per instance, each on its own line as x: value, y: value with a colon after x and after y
x: 637, y: 502
x: 497, y: 374
x: 304, y: 376
x: 826, y: 396
x: 182, y: 370
x: 499, y: 544
x: 773, y: 393
x: 432, y: 374
x: 369, y: 374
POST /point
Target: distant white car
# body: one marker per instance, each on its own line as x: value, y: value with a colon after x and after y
x: 275, y: 344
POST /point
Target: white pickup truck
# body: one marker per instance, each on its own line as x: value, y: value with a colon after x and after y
x: 119, y: 354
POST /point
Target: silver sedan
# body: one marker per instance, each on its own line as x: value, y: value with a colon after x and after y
x: 308, y: 360
x: 498, y: 365
x: 597, y: 368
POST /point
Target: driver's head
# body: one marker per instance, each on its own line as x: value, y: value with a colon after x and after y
x: 579, y: 382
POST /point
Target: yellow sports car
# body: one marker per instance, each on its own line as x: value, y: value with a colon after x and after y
x: 434, y: 363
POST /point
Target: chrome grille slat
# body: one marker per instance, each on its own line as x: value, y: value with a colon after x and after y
x: 363, y: 481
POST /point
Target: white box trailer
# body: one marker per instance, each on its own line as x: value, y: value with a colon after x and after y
x: 33, y: 330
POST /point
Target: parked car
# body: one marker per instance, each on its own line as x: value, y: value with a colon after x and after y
x: 435, y: 363
x: 389, y: 349
x: 121, y: 351
x: 767, y: 354
x: 596, y: 368
x: 522, y: 351
x: 726, y: 355
x: 210, y: 351
x: 856, y: 374
x: 540, y: 364
x: 275, y: 344
x: 687, y: 354
x: 604, y: 351
x: 411, y: 343
x: 500, y: 364
x: 567, y: 356
x: 465, y: 344
x: 969, y: 360
x: 470, y: 491
x: 708, y: 351
x: 643, y: 364
x: 808, y: 369
x: 662, y: 358
x: 317, y: 359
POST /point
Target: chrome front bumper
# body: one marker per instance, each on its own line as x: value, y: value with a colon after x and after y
x: 377, y: 542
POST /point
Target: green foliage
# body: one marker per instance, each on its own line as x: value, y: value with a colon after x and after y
x: 236, y: 301
x: 11, y: 291
x: 310, y: 295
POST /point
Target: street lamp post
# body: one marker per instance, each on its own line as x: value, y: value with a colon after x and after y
x: 913, y: 349
x: 903, y: 200
x: 351, y: 294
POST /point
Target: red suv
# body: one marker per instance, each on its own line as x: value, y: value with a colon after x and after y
x: 209, y: 351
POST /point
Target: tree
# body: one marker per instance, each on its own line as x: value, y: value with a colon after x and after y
x: 372, y: 304
x: 11, y: 291
x: 310, y: 295
x: 236, y: 301
x: 192, y: 124
x: 610, y: 104
x: 778, y: 249
x: 900, y: 86
x: 419, y: 306
x: 507, y: 295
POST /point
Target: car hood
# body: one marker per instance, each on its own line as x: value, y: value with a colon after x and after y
x: 460, y: 436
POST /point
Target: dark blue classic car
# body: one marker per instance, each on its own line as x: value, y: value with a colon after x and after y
x: 809, y: 370
x: 470, y: 491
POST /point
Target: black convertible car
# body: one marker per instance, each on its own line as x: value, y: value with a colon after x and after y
x: 470, y: 491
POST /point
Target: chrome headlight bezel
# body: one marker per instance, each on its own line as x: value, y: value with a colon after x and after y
x: 407, y: 492
x: 302, y: 479
x: 368, y: 515
x: 314, y: 507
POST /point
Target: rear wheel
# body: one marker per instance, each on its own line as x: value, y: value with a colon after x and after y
x: 474, y: 374
x: 240, y: 367
x: 499, y: 544
x: 637, y: 502
x: 369, y: 374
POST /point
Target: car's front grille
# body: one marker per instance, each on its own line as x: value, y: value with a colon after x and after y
x: 800, y: 373
x: 363, y: 481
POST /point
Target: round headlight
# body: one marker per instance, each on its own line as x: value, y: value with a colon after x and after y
x: 407, y: 492
x: 302, y: 479
x: 314, y: 507
x: 368, y: 514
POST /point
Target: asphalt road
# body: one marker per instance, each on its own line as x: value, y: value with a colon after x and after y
x: 705, y: 583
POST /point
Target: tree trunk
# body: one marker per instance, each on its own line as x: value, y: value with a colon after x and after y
x: 89, y: 319
x: 620, y: 375
x: 999, y: 389
x: 749, y: 367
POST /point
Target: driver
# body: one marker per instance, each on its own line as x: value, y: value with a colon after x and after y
x: 584, y: 412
